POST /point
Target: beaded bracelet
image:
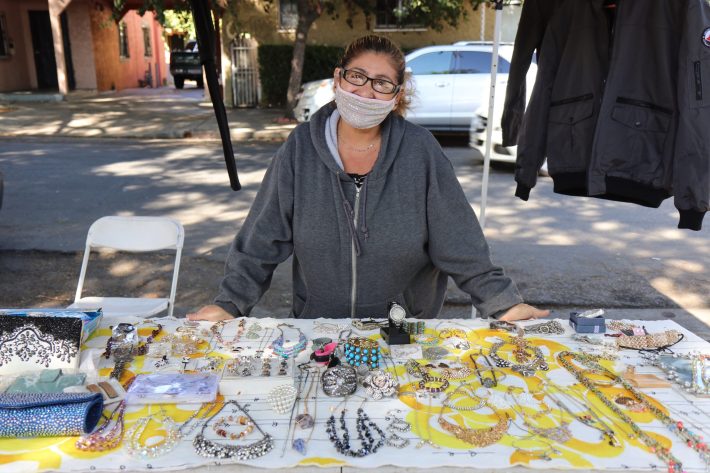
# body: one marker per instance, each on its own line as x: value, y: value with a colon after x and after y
x: 222, y: 423
x: 426, y: 385
x: 452, y: 332
x: 362, y: 351
x: 427, y: 339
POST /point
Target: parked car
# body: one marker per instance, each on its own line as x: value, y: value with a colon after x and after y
x: 450, y: 83
x: 186, y: 65
x: 477, y: 130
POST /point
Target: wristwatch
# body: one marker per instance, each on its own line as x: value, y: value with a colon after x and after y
x: 397, y: 314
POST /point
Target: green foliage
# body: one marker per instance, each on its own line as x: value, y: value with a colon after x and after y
x: 180, y: 21
x: 275, y: 68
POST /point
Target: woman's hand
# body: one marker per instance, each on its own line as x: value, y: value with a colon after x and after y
x: 523, y: 312
x: 211, y: 313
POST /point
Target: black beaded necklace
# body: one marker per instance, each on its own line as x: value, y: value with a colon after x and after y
x: 364, y: 427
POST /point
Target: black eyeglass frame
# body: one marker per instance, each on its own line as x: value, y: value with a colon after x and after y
x: 372, y: 80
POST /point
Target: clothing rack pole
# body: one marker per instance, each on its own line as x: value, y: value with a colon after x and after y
x: 491, y: 106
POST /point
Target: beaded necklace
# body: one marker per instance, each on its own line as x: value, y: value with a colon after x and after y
x: 364, y: 426
x: 136, y: 448
x: 664, y: 454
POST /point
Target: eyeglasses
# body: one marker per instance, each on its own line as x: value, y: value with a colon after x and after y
x: 382, y: 86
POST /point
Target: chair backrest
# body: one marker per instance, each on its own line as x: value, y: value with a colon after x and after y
x: 135, y: 234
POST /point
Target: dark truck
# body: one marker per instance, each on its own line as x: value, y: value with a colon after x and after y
x: 185, y: 65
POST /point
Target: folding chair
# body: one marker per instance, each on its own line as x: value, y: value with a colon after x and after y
x: 131, y: 234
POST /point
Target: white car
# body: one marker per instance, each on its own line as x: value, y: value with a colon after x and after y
x: 450, y: 83
x: 477, y: 131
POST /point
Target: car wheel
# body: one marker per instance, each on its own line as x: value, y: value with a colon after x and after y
x: 179, y: 82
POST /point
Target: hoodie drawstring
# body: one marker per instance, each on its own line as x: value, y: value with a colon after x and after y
x: 351, y: 217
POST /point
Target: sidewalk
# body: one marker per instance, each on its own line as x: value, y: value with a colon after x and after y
x: 163, y: 113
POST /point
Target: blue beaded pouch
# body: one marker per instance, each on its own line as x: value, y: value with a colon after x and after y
x: 49, y: 415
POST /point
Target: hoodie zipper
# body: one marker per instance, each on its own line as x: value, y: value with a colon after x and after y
x: 353, y: 256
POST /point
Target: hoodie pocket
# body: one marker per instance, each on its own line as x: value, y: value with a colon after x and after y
x: 699, y: 84
x: 642, y: 134
x: 569, y: 132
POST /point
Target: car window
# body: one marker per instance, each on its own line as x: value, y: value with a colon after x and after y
x: 478, y: 62
x: 431, y: 63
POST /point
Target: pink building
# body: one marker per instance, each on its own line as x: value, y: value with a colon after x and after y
x: 66, y: 45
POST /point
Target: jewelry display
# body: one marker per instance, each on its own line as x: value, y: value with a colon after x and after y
x: 362, y: 351
x: 339, y: 380
x: 364, y: 427
x: 524, y: 368
x: 551, y: 327
x: 690, y: 438
x: 135, y: 447
x: 209, y: 449
x: 285, y: 348
x: 477, y: 437
x: 281, y: 398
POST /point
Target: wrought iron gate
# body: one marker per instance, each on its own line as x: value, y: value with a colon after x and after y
x: 245, y: 73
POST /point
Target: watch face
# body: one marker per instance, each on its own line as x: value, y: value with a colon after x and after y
x: 397, y: 313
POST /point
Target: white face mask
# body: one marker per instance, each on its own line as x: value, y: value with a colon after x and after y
x: 361, y: 112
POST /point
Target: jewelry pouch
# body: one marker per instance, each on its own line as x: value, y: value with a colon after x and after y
x: 49, y: 415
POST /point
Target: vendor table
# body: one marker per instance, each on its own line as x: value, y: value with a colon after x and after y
x: 585, y: 450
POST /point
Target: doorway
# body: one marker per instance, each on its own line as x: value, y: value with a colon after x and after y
x: 43, y: 49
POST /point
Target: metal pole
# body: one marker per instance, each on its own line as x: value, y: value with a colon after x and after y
x: 491, y: 109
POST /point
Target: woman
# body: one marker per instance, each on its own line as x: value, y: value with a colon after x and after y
x: 369, y: 207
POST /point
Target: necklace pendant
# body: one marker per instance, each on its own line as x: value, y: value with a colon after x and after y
x: 305, y: 421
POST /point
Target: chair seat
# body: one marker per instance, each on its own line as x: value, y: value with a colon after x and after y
x: 123, y: 306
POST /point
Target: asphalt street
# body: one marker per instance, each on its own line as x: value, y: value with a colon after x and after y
x: 562, y: 251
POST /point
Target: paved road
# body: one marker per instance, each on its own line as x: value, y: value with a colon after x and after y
x: 562, y: 251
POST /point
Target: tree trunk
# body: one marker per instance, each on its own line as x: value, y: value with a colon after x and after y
x: 306, y: 16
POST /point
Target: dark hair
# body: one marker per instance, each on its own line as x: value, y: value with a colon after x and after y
x: 381, y: 45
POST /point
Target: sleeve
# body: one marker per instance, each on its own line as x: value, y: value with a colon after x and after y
x: 458, y: 247
x: 264, y: 241
x: 531, y: 28
x: 532, y: 142
x: 691, y: 166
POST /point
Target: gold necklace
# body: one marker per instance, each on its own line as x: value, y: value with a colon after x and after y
x: 476, y: 437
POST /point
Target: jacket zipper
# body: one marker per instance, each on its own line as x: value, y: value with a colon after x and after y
x: 353, y: 255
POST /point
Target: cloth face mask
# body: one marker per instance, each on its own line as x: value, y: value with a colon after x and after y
x: 361, y: 112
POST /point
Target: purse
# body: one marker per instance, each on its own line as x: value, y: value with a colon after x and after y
x: 49, y: 415
x: 46, y: 381
x: 32, y: 343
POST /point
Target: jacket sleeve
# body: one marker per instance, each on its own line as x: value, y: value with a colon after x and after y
x: 531, y: 28
x: 457, y: 245
x: 532, y: 142
x: 691, y: 167
x: 264, y: 241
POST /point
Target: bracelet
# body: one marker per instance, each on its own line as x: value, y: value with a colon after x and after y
x: 427, y: 339
x: 339, y: 380
x: 425, y: 385
x: 227, y: 421
x: 503, y: 325
x: 282, y: 398
x: 362, y: 351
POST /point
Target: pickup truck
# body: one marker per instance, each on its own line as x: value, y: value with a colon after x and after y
x: 185, y: 65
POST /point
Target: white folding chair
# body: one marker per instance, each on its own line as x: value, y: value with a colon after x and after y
x: 131, y: 234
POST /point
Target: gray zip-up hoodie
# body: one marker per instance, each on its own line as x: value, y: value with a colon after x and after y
x: 395, y: 239
x: 621, y: 105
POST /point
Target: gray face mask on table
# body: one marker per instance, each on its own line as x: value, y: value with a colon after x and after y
x: 360, y: 112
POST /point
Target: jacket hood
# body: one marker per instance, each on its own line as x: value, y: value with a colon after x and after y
x: 393, y: 128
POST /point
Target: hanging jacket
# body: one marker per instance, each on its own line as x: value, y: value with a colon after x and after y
x: 620, y: 106
x: 534, y: 17
x: 396, y: 239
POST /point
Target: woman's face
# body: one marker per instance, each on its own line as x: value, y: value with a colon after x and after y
x: 372, y: 65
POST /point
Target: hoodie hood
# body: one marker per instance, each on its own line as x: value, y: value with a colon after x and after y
x: 392, y: 135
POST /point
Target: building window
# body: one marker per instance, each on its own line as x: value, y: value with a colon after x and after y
x: 147, y: 47
x: 288, y: 14
x: 395, y: 14
x: 123, y: 40
x: 4, y: 43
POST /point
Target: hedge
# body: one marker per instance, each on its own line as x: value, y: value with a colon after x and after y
x: 275, y: 69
